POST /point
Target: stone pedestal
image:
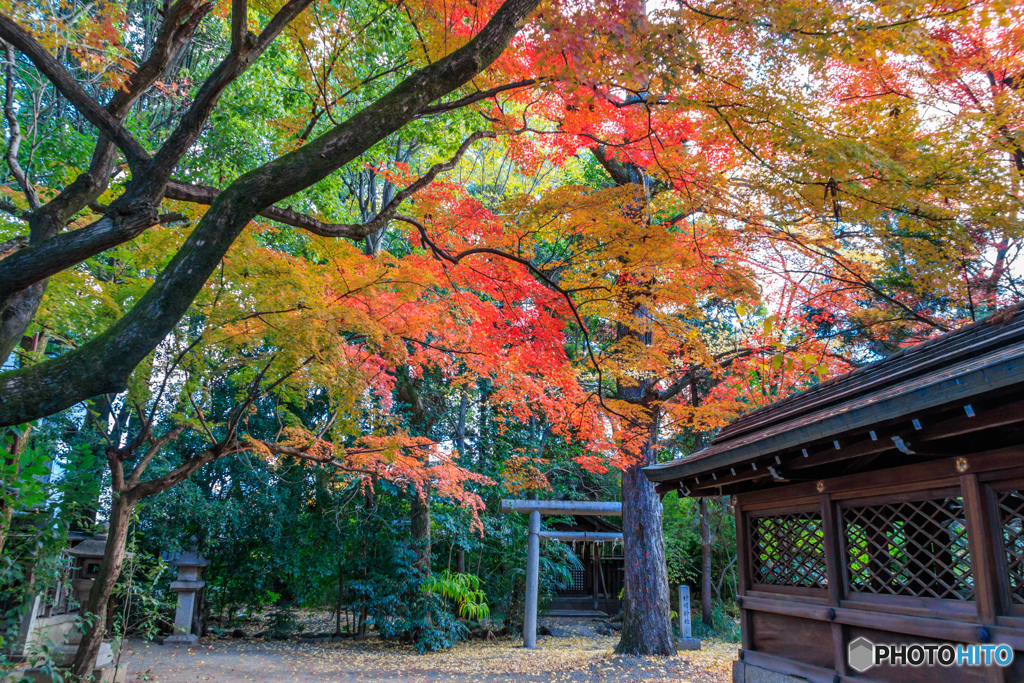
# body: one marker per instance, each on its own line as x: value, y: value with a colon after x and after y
x: 189, y: 564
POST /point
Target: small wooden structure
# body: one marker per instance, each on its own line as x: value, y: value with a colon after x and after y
x: 885, y: 504
x: 595, y: 586
x: 560, y: 508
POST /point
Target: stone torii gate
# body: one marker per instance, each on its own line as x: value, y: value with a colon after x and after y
x: 562, y: 508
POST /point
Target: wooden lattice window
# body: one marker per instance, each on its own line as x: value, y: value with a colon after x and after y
x: 913, y: 548
x: 788, y: 550
x: 1011, y: 516
x: 577, y: 580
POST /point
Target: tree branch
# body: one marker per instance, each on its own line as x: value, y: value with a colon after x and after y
x: 475, y: 97
x: 40, y: 261
x: 151, y: 452
x: 202, y: 194
x: 12, y: 245
x: 106, y: 362
x: 14, y: 132
x: 239, y: 28
x: 69, y: 87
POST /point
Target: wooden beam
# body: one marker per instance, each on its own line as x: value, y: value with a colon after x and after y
x: 957, y: 422
x: 600, y: 536
x: 924, y: 627
x: 561, y: 507
x: 912, y: 477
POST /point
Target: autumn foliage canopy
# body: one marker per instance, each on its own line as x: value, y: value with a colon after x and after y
x: 712, y: 203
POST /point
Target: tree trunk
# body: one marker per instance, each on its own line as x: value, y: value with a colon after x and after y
x: 646, y: 623
x: 705, y: 563
x: 341, y: 592
x: 421, y: 530
x: 99, y: 597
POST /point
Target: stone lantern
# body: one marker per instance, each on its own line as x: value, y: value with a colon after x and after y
x: 88, y: 555
x: 189, y: 564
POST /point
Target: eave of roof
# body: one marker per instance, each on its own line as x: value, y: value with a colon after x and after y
x: 972, y: 375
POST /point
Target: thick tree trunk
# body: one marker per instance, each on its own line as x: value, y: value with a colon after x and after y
x: 646, y: 623
x: 705, y: 563
x: 99, y: 598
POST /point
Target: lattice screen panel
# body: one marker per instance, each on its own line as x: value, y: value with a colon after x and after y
x: 578, y: 580
x: 1011, y: 515
x: 788, y: 550
x: 914, y: 548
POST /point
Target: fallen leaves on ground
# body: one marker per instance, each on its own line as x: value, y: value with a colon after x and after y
x: 571, y: 659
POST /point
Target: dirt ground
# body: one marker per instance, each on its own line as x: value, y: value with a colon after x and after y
x: 566, y: 659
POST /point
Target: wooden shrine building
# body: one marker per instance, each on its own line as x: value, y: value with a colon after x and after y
x: 885, y: 506
x: 595, y: 585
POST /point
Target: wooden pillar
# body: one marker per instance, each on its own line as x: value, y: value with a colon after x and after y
x: 532, y: 581
x: 743, y: 576
x: 983, y: 535
x: 834, y: 570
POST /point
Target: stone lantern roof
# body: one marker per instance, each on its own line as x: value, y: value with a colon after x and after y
x: 186, y: 558
x: 90, y: 548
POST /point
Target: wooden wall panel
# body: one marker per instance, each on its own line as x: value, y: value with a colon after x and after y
x: 804, y: 640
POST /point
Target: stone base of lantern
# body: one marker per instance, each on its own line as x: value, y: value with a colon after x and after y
x: 688, y: 643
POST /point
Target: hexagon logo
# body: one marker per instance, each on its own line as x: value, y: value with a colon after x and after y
x: 861, y: 655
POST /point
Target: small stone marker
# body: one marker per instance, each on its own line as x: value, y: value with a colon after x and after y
x: 686, y: 639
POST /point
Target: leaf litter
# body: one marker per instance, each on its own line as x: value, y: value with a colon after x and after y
x: 556, y: 660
